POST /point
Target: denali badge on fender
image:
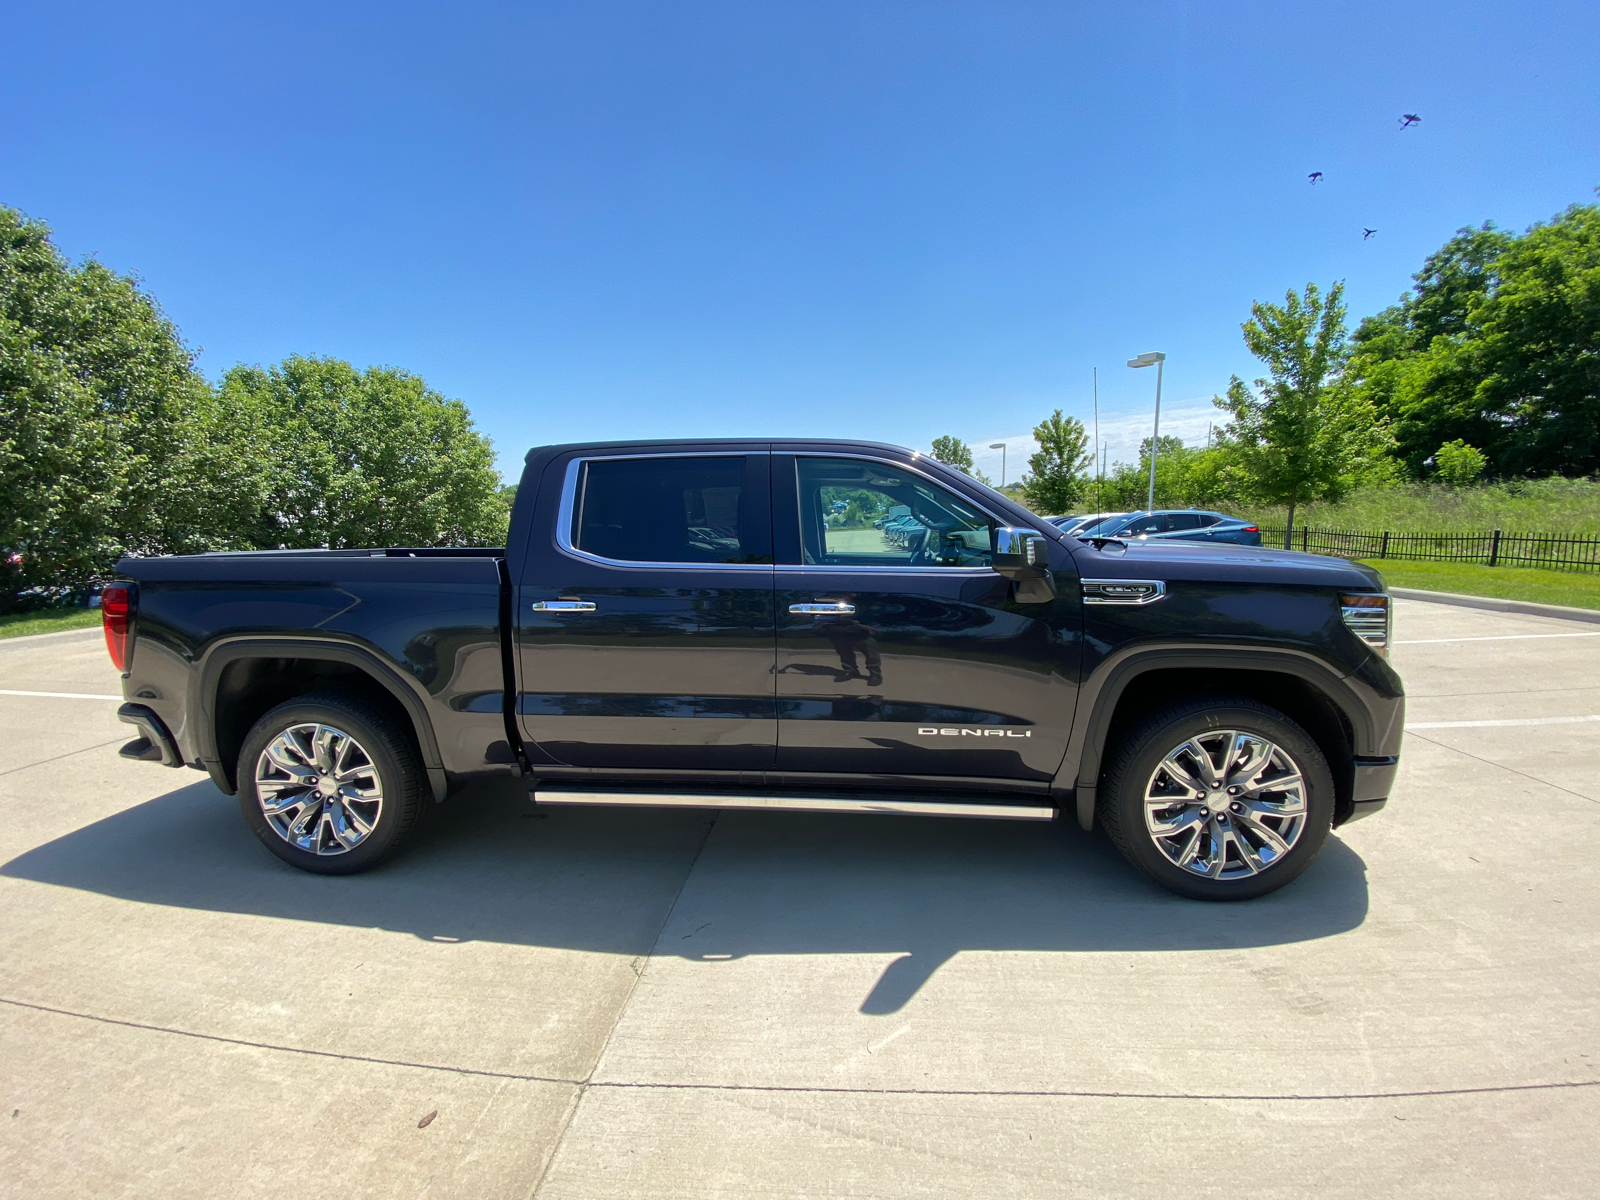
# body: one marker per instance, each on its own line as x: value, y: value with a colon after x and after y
x: 927, y: 732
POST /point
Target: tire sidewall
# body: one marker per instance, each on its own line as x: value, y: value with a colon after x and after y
x: 395, y: 775
x: 1132, y: 773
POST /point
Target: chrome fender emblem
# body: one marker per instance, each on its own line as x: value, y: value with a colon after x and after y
x: 963, y: 731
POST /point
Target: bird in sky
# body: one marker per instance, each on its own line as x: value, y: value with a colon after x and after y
x: 1409, y: 119
x: 1315, y: 177
x: 1366, y: 233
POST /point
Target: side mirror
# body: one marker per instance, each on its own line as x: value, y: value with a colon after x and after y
x: 1023, y: 556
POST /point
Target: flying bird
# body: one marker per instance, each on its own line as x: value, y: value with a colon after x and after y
x: 1315, y: 177
x: 1366, y: 233
x: 1409, y: 119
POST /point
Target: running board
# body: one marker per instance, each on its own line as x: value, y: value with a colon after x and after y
x: 801, y: 803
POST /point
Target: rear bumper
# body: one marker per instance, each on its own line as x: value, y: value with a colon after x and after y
x: 155, y: 744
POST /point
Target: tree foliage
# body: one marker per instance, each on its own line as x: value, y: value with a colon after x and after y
x: 359, y: 458
x: 1057, y: 471
x: 1496, y: 344
x: 101, y: 419
x: 113, y: 443
x: 953, y: 452
x: 1458, y: 463
x: 1301, y: 433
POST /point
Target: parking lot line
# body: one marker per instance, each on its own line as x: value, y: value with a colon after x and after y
x: 59, y: 695
x: 1497, y: 724
x: 1499, y: 637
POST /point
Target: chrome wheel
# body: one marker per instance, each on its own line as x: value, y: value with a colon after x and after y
x: 1226, y: 804
x: 318, y: 789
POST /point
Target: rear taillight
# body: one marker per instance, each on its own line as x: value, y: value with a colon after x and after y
x: 1367, y: 615
x: 116, y: 613
x: 1252, y: 529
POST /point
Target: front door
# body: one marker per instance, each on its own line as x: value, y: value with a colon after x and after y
x: 902, y: 657
x: 645, y: 623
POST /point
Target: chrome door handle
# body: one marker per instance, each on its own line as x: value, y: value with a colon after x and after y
x: 837, y: 607
x: 563, y: 606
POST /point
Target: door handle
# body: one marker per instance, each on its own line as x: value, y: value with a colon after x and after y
x: 563, y: 606
x: 837, y: 607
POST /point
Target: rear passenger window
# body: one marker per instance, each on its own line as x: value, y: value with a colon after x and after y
x: 1177, y: 521
x: 670, y: 510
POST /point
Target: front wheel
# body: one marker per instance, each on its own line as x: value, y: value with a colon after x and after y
x: 330, y: 784
x: 1218, y: 798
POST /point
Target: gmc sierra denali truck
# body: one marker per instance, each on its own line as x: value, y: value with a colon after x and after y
x: 739, y: 624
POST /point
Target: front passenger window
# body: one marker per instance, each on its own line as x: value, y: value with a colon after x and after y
x: 858, y: 512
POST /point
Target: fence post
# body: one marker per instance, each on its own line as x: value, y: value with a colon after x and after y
x: 1494, y: 550
x: 1305, y: 538
x: 1383, y: 551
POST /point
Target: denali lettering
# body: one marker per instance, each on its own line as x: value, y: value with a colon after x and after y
x: 928, y: 732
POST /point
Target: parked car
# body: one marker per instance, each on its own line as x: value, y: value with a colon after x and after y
x: 1176, y: 524
x: 1071, y: 525
x: 677, y: 623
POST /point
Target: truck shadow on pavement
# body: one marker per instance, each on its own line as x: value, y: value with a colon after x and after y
x: 700, y: 885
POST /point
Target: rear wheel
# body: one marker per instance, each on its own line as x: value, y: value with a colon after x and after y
x: 1218, y: 798
x: 330, y: 784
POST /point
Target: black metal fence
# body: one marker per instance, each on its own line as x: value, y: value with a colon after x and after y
x: 1495, y: 548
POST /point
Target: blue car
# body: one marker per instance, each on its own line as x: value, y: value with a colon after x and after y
x: 1176, y: 525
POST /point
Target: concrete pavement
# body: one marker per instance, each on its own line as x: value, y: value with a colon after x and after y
x: 655, y: 1003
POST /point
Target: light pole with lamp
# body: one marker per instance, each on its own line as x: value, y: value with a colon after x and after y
x: 1001, y: 446
x: 1158, y: 360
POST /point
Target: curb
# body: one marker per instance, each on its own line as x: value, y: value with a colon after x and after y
x: 1494, y: 604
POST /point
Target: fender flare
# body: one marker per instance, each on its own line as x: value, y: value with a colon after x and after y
x: 1099, y: 693
x: 203, y: 715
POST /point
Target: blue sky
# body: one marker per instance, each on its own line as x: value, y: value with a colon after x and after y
x: 875, y: 220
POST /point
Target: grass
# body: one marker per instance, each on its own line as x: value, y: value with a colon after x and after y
x: 1574, y: 589
x: 49, y: 621
x: 1566, y: 507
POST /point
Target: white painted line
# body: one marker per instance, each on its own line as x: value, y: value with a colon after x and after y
x: 1500, y: 724
x: 59, y: 695
x: 1499, y: 637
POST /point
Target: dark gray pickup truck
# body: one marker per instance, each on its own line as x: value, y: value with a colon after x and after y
x: 816, y: 625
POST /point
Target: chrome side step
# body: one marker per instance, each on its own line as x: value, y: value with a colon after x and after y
x: 798, y: 803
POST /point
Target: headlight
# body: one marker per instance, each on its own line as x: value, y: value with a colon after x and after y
x: 1367, y: 615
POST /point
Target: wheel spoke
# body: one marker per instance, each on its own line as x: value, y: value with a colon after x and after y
x: 1181, y: 776
x: 1182, y: 823
x: 1247, y: 852
x: 1250, y: 820
x: 1259, y: 755
x: 1203, y: 757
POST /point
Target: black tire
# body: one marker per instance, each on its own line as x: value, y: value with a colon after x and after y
x: 1142, y: 750
x: 386, y: 746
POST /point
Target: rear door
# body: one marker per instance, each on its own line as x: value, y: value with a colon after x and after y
x: 901, y: 654
x: 645, y: 624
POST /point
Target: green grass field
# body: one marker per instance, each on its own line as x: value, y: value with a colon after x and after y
x: 1565, y: 507
x: 49, y: 621
x: 1574, y: 589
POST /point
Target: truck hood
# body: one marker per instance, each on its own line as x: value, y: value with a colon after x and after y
x: 1171, y: 560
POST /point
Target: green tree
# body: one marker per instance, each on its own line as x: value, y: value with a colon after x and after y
x: 1302, y: 433
x: 1459, y: 464
x: 103, y: 421
x: 953, y: 452
x: 1057, y: 471
x: 359, y: 458
x: 1495, y: 345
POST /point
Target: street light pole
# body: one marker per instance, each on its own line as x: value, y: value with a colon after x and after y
x: 1158, y: 360
x: 1001, y: 446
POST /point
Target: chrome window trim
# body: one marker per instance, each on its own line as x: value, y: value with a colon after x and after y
x: 887, y: 569
x: 569, y: 500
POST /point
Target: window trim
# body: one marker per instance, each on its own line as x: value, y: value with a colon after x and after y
x: 569, y: 502
x: 887, y: 568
